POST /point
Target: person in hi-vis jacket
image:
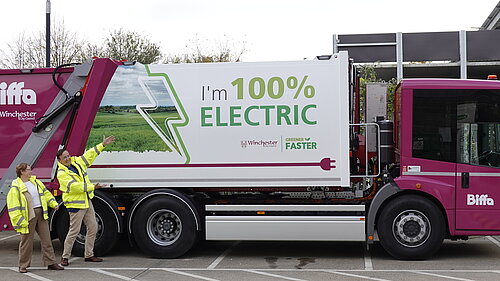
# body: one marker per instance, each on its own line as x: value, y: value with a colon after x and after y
x: 77, y: 192
x: 28, y: 203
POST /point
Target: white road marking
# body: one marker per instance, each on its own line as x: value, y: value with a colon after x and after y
x: 356, y: 275
x: 368, y: 258
x: 273, y: 275
x: 37, y: 277
x: 216, y: 262
x: 34, y: 276
x: 493, y: 240
x: 113, y: 275
x: 189, y: 274
x: 8, y: 237
x: 441, y: 276
x: 436, y: 271
x: 267, y: 269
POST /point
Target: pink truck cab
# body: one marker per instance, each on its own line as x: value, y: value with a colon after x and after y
x: 446, y: 169
x: 449, y: 148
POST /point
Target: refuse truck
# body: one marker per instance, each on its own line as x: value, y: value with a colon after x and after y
x: 259, y: 151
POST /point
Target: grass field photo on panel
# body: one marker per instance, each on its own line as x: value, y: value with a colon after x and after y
x: 132, y: 132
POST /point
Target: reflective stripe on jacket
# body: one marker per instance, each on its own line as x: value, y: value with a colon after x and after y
x: 76, y: 187
x: 18, y: 205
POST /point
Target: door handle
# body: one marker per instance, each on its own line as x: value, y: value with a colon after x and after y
x: 465, y: 180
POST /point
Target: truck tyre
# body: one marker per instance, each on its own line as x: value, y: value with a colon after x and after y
x: 107, y: 228
x: 411, y: 227
x: 164, y: 227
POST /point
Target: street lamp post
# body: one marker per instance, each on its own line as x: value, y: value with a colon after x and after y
x: 47, y: 35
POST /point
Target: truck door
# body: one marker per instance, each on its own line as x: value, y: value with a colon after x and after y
x: 478, y: 157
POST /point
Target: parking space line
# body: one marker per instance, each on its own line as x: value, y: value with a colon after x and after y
x: 493, y: 240
x: 441, y: 276
x: 37, y: 277
x: 188, y: 274
x: 272, y: 275
x: 34, y: 276
x: 216, y: 262
x: 8, y: 237
x: 423, y: 271
x: 113, y: 275
x: 368, y: 257
x: 355, y: 275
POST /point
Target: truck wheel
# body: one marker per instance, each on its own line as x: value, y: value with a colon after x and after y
x: 164, y: 227
x: 107, y: 228
x: 411, y: 227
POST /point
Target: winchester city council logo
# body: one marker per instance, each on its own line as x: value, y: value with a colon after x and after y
x: 259, y: 143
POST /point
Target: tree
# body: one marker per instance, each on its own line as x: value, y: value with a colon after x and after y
x: 89, y: 51
x: 29, y: 51
x: 67, y: 47
x: 224, y: 51
x: 18, y: 55
x: 131, y: 46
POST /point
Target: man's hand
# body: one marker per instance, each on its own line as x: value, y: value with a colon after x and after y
x: 107, y: 140
x: 99, y: 185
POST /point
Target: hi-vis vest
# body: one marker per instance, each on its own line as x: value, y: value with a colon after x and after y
x: 18, y: 205
x: 76, y: 187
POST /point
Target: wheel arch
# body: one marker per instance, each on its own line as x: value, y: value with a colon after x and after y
x: 164, y: 192
x: 392, y: 192
x: 107, y: 199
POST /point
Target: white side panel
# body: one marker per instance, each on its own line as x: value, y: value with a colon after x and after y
x: 226, y: 124
x: 279, y: 228
x: 213, y: 177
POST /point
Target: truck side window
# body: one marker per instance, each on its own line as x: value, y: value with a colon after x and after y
x: 434, y: 125
x: 478, y: 125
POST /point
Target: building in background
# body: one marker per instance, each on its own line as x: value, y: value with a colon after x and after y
x: 457, y: 54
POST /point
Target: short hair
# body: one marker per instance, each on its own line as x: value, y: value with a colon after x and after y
x: 21, y: 168
x: 60, y: 152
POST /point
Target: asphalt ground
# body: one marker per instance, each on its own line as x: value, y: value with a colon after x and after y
x: 475, y: 259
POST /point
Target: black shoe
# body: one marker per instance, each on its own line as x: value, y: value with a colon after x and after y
x: 55, y: 266
x: 64, y: 262
x: 93, y: 259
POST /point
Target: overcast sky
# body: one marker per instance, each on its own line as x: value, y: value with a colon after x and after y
x: 272, y: 29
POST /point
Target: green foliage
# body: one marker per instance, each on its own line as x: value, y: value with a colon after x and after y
x: 132, y: 132
x: 128, y: 45
x: 205, y: 50
x: 28, y: 51
x: 391, y: 90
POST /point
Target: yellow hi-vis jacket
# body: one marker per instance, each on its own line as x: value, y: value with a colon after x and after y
x: 76, y: 187
x: 17, y: 204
